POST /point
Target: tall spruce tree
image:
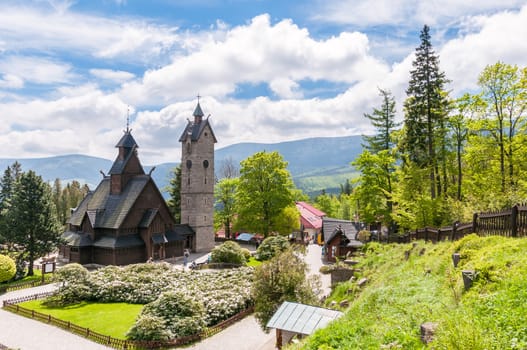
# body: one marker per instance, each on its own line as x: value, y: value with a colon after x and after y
x: 425, y: 113
x: 174, y: 190
x: 31, y: 221
x: 7, y: 184
x: 383, y: 119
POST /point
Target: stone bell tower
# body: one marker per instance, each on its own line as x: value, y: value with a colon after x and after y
x: 197, y: 179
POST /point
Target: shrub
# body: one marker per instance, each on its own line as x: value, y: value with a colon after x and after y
x: 149, y: 327
x: 180, y: 313
x: 7, y: 268
x: 228, y: 252
x: 364, y: 236
x: 271, y: 246
x: 72, y: 273
x: 247, y: 254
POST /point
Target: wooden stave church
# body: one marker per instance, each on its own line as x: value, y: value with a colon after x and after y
x: 126, y: 220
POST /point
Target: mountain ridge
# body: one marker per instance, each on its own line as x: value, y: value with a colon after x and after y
x: 307, y: 159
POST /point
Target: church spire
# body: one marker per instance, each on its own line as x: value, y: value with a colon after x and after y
x: 198, y: 113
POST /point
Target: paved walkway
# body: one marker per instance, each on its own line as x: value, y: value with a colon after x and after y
x: 23, y: 333
x: 26, y: 334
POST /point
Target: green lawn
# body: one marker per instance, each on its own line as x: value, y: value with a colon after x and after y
x: 37, y: 277
x: 253, y: 262
x: 114, y: 319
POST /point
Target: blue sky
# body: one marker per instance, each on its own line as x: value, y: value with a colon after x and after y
x: 267, y: 71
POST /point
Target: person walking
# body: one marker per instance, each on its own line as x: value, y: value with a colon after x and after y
x: 186, y: 254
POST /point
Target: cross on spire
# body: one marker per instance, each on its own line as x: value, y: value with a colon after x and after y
x: 128, y: 119
x: 198, y: 97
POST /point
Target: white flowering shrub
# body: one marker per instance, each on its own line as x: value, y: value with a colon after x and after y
x: 149, y: 327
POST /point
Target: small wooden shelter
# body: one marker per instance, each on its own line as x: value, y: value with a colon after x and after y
x: 294, y: 320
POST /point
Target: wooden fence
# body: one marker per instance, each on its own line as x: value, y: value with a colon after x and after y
x: 509, y: 223
x: 109, y: 341
x: 23, y: 285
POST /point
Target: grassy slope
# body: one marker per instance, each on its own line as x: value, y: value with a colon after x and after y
x: 113, y: 319
x: 401, y: 295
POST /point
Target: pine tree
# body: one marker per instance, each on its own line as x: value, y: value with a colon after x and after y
x: 174, y: 190
x: 383, y: 119
x: 31, y: 220
x: 425, y: 113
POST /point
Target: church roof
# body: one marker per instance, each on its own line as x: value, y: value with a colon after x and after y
x: 194, y: 130
x: 148, y: 217
x: 127, y: 141
x: 119, y: 242
x: 107, y: 210
x: 197, y: 111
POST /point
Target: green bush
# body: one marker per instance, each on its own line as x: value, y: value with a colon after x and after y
x: 75, y: 286
x: 247, y: 254
x: 175, y: 314
x: 149, y: 327
x: 7, y: 268
x: 271, y: 246
x: 228, y: 252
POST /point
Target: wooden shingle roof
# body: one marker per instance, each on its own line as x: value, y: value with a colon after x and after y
x: 107, y: 210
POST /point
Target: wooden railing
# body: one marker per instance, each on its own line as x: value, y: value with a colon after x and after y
x: 23, y: 285
x: 12, y: 305
x: 508, y: 223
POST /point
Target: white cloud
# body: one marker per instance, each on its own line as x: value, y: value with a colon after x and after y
x: 501, y: 37
x: 406, y: 13
x: 252, y: 54
x: 77, y: 122
x: 81, y: 118
x: 36, y: 70
x: 285, y: 88
x: 116, y: 76
x: 10, y: 81
x: 32, y: 28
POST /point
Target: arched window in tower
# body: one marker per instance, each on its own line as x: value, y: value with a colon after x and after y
x: 205, y: 163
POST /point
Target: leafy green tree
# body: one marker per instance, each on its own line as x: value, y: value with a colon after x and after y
x: 174, y: 190
x: 283, y: 278
x: 459, y: 125
x: 225, y: 193
x: 329, y: 204
x: 31, y: 220
x: 504, y: 93
x: 374, y: 186
x: 383, y: 119
x: 7, y: 268
x: 425, y: 113
x: 265, y: 189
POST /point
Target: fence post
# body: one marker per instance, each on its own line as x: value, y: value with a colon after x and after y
x: 475, y: 223
x: 514, y: 221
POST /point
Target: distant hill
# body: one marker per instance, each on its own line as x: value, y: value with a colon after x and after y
x: 314, y: 163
